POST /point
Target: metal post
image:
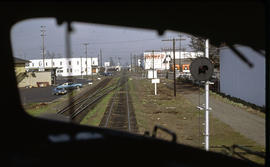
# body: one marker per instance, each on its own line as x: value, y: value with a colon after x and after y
x: 153, y: 63
x: 174, y: 76
x: 207, y: 102
x: 155, y: 88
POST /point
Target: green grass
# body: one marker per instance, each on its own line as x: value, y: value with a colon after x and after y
x: 95, y: 115
x: 35, y: 109
x: 145, y: 105
x: 138, y: 107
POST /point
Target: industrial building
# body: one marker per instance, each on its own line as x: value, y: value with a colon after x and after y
x: 162, y: 60
x: 66, y: 66
x: 30, y: 79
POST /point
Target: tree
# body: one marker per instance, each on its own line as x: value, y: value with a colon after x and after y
x: 198, y: 44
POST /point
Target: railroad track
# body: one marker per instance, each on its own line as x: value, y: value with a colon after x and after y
x: 119, y: 114
x: 76, y: 110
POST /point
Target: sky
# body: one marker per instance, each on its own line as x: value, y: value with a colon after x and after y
x: 114, y: 41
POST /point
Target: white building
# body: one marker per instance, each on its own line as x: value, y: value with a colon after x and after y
x: 239, y: 80
x: 162, y: 59
x: 67, y: 66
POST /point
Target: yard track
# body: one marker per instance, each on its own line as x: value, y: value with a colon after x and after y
x: 80, y: 105
x: 119, y: 114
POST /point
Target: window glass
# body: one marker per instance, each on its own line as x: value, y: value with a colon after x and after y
x: 143, y: 79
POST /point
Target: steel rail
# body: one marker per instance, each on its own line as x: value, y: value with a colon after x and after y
x: 128, y: 107
x: 89, y: 97
x: 77, y: 99
x: 75, y: 114
x: 110, y: 111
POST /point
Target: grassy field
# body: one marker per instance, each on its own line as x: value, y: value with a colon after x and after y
x: 94, y: 116
x: 182, y: 117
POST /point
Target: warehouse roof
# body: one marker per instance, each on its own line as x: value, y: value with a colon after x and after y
x: 20, y: 61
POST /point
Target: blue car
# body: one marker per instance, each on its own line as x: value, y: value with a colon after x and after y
x: 70, y: 85
x: 59, y: 91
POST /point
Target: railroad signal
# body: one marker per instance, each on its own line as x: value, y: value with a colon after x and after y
x: 201, y: 69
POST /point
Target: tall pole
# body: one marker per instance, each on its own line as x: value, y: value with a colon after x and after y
x: 174, y: 76
x: 85, y: 46
x: 81, y: 68
x: 130, y: 62
x: 91, y: 68
x: 180, y: 52
x: 207, y: 102
x: 100, y: 57
x: 153, y: 63
x: 43, y: 47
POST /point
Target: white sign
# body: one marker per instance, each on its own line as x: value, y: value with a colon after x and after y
x: 155, y: 80
x: 150, y: 74
x: 107, y: 64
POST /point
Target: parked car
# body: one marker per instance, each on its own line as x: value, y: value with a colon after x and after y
x: 59, y: 91
x: 89, y: 82
x: 70, y: 85
x: 108, y: 74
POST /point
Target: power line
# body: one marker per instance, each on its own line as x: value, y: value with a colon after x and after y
x: 114, y: 42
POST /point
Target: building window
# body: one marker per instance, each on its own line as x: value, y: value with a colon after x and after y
x: 67, y: 70
x: 40, y: 63
x: 69, y: 62
x: 78, y: 63
x: 60, y: 63
x: 46, y: 64
x: 53, y: 63
x: 70, y: 70
x: 85, y: 62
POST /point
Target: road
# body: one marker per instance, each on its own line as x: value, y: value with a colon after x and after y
x: 35, y: 95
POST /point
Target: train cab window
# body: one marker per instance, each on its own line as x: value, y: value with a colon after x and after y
x: 135, y: 79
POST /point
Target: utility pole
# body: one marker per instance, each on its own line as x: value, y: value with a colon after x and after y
x: 180, y: 50
x: 81, y: 68
x: 174, y: 76
x: 100, y: 57
x: 130, y: 62
x: 153, y: 53
x: 207, y: 101
x: 135, y: 63
x: 91, y: 68
x: 85, y: 46
x: 43, y: 47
